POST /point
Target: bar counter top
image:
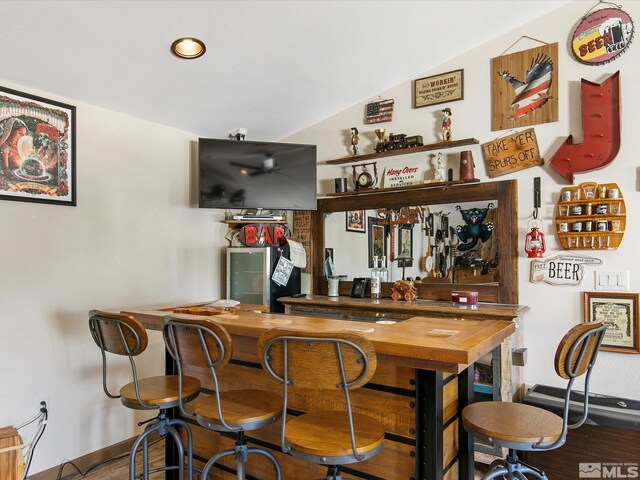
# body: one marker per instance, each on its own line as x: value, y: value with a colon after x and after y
x: 433, y: 342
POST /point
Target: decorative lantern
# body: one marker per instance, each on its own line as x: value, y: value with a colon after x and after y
x: 534, y: 243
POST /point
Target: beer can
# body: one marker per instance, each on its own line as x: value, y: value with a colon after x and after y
x: 601, y: 208
x: 576, y: 210
x: 577, y: 226
x: 602, y: 225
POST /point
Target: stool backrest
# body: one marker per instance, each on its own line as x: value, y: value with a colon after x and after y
x: 575, y: 356
x: 325, y: 361
x: 200, y: 344
x: 578, y: 349
x: 120, y: 335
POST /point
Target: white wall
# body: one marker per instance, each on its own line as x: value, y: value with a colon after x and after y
x: 554, y: 309
x: 132, y: 240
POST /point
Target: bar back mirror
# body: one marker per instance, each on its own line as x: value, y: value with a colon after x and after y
x: 449, y: 238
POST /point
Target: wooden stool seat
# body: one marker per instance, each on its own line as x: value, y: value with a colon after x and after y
x: 326, y: 434
x: 161, y: 391
x: 249, y: 409
x: 512, y: 422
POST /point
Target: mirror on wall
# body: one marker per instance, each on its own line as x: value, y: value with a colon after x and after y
x: 442, y: 243
x: 448, y: 236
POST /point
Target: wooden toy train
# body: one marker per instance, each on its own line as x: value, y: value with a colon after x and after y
x: 398, y: 142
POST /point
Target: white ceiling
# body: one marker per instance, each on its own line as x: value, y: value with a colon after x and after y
x: 273, y: 67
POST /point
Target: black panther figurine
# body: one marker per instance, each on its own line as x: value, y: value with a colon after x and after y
x: 474, y: 228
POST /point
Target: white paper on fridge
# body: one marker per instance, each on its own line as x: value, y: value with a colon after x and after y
x: 283, y: 271
x: 297, y: 253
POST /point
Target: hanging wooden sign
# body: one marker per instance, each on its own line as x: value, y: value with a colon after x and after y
x: 511, y: 153
x: 561, y: 269
x: 602, y: 36
x: 524, y: 88
x: 263, y: 235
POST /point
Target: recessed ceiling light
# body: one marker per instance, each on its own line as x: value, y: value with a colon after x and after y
x: 188, y: 47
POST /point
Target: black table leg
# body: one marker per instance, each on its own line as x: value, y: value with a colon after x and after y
x: 465, y: 440
x: 170, y: 450
x: 429, y: 431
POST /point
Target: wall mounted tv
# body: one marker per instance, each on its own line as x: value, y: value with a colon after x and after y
x: 256, y: 175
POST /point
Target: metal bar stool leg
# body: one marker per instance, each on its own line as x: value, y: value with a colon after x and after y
x: 213, y: 460
x: 187, y: 429
x: 132, y: 458
x: 271, y: 457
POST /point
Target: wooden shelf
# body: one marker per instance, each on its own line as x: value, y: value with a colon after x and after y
x: 404, y: 151
x: 592, y: 239
x: 369, y: 191
x: 245, y: 222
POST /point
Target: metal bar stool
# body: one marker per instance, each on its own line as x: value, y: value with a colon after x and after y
x: 324, y: 361
x: 517, y: 426
x: 124, y: 335
x: 206, y: 344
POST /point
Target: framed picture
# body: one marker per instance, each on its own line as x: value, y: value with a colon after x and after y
x: 377, y: 239
x: 619, y: 311
x: 359, y: 287
x: 405, y: 245
x: 37, y: 149
x: 442, y: 88
x: 355, y: 221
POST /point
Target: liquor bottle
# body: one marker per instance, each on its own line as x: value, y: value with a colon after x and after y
x: 384, y: 271
x: 375, y: 279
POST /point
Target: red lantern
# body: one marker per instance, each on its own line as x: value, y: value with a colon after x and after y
x: 534, y: 244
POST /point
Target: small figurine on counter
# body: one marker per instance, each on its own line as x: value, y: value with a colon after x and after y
x: 354, y: 140
x: 440, y: 173
x: 447, y: 136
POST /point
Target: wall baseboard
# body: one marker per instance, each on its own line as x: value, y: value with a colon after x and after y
x: 87, y: 461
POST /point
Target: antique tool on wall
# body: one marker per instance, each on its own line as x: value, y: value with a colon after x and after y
x: 426, y: 261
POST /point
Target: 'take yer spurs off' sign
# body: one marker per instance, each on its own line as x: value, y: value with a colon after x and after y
x: 511, y: 153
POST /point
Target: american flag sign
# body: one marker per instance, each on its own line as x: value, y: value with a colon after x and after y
x: 378, y: 112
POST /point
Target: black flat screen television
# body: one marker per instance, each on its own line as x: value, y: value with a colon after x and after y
x: 256, y: 175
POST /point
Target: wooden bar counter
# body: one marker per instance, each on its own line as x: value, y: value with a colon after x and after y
x: 420, y: 387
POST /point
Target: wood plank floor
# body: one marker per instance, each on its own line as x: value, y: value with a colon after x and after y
x: 118, y: 469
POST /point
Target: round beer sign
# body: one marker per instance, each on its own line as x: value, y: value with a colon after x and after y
x: 602, y: 36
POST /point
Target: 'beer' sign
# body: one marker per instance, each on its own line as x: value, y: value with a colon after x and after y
x: 561, y: 269
x: 511, y: 153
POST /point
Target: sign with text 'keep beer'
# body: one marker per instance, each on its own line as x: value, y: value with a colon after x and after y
x: 511, y: 153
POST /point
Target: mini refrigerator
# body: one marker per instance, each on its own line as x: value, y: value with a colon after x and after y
x: 249, y: 272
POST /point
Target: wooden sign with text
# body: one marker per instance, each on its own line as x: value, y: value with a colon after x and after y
x: 511, y: 153
x: 302, y: 233
x: 561, y: 269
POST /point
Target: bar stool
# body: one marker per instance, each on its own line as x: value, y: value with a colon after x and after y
x: 206, y: 344
x: 516, y: 426
x: 124, y: 335
x: 324, y: 361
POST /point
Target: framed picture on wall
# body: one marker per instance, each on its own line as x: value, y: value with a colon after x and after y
x: 355, y: 221
x: 377, y: 239
x: 37, y: 149
x: 405, y: 245
x: 619, y: 312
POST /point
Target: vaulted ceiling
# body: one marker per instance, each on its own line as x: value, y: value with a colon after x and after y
x: 273, y: 67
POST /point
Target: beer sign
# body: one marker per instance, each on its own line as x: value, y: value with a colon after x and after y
x: 602, y: 36
x: 511, y: 153
x: 561, y: 269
